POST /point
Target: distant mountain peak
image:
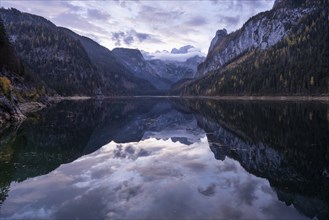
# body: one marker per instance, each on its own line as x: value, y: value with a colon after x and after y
x: 128, y: 52
x: 220, y: 34
x: 181, y: 50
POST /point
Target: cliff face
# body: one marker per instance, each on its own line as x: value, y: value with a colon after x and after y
x: 261, y: 31
x: 283, y: 51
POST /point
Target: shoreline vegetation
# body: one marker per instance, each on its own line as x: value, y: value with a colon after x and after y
x: 30, y: 107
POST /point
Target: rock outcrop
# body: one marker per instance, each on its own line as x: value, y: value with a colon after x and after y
x: 259, y: 32
x: 283, y: 51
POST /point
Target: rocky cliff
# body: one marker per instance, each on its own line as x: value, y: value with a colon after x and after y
x: 283, y: 51
x: 261, y: 31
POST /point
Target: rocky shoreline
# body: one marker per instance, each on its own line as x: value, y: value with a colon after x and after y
x: 11, y: 112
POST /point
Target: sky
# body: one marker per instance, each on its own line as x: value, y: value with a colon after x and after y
x: 148, y: 25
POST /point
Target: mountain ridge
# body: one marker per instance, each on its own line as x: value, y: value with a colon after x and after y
x: 251, y: 61
x: 69, y: 63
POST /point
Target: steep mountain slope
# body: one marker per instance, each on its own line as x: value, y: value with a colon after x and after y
x: 57, y: 59
x: 135, y: 62
x: 8, y: 64
x: 67, y: 62
x: 281, y: 51
x: 16, y: 84
x: 175, y: 70
x: 116, y: 77
x: 161, y: 73
x: 178, y: 65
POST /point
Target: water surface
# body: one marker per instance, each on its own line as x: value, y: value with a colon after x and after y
x: 167, y: 159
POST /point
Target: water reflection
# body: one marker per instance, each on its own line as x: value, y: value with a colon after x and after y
x: 149, y: 158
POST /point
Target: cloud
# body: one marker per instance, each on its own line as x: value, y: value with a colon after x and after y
x: 76, y: 22
x: 229, y: 20
x: 180, y: 55
x: 158, y: 14
x: 161, y: 25
x: 114, y: 182
x: 128, y: 40
x: 197, y: 21
x: 131, y: 36
x: 247, y: 191
x: 209, y: 191
x: 98, y: 15
x: 142, y: 36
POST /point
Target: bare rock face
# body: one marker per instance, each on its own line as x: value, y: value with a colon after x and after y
x: 261, y: 31
x: 220, y: 35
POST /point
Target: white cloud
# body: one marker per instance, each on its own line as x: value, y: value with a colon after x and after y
x: 171, y: 23
x: 169, y: 56
x: 150, y: 179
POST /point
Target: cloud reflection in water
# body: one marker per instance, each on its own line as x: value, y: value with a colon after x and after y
x: 152, y: 179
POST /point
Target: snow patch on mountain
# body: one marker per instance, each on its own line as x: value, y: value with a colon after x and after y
x: 180, y: 55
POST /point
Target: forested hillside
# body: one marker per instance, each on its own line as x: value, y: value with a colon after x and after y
x: 296, y: 65
x: 17, y: 85
x: 116, y: 78
x: 69, y: 63
x: 57, y: 59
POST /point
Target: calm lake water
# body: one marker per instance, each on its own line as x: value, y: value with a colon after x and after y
x: 167, y: 159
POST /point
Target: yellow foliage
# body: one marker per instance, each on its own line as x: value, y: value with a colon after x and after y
x: 5, y: 85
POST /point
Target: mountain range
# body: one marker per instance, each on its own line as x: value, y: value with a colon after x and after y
x: 283, y: 51
x: 75, y: 65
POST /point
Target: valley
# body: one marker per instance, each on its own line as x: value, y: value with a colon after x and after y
x: 131, y: 110
x: 278, y: 53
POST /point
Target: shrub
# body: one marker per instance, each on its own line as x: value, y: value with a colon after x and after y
x: 5, y: 85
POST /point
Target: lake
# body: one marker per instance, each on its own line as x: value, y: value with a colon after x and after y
x: 160, y: 158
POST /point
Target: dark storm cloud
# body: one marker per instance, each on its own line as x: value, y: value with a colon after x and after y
x: 98, y: 15
x: 197, y: 21
x: 130, y: 37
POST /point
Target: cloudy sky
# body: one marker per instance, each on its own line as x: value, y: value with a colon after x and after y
x: 146, y: 24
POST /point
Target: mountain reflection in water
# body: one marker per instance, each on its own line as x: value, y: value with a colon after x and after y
x: 160, y: 159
